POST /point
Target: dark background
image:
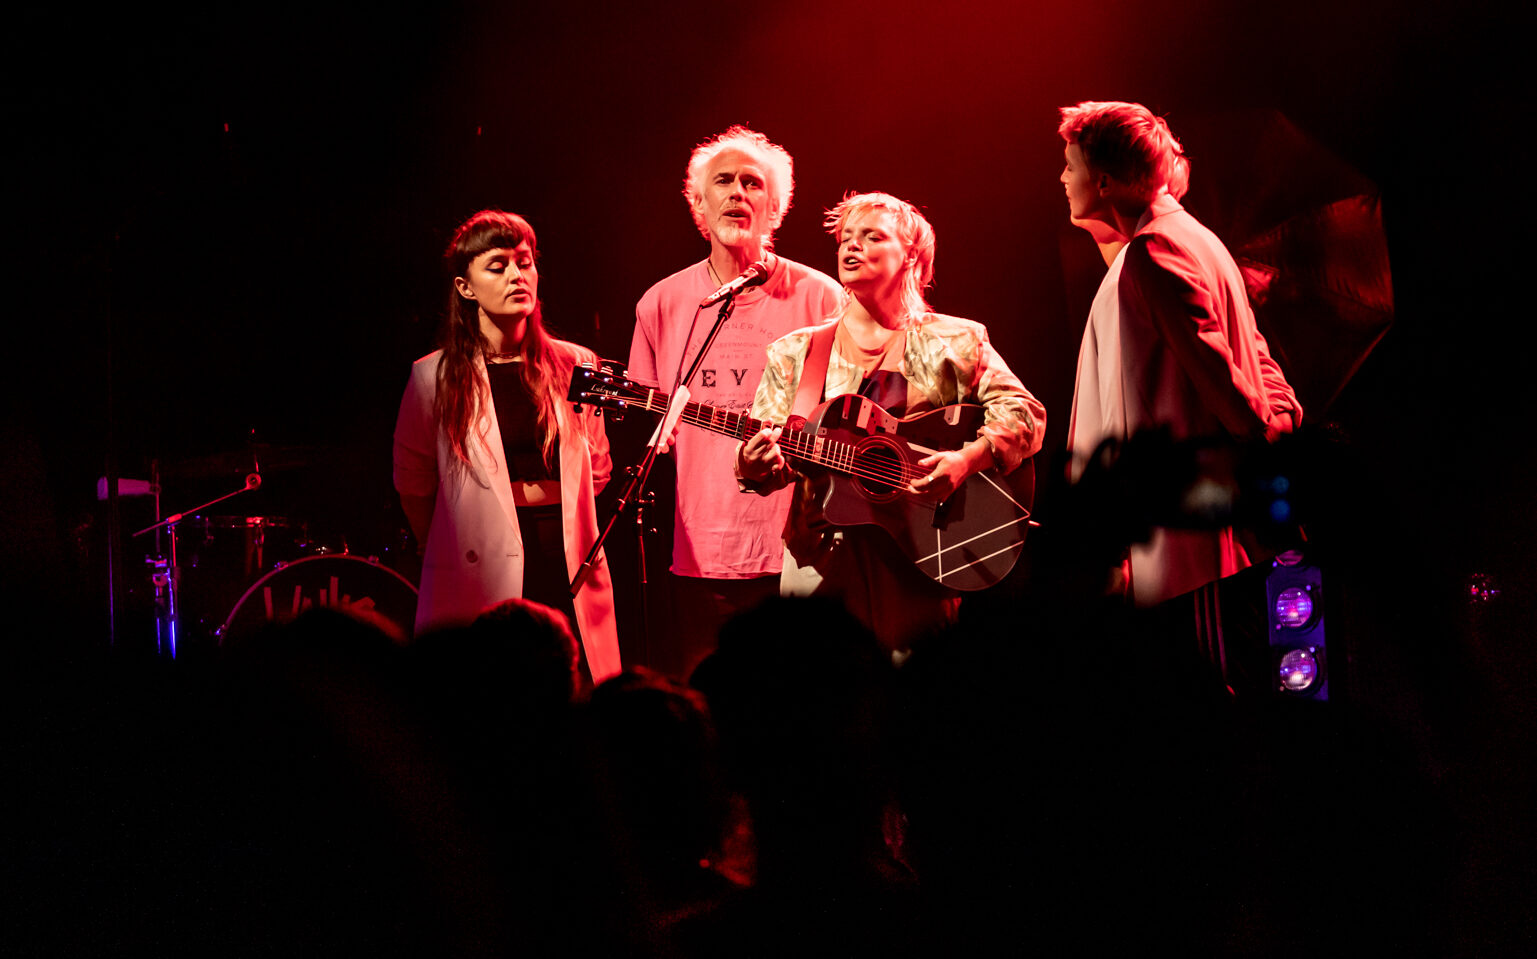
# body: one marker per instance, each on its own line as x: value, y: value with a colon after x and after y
x: 224, y: 228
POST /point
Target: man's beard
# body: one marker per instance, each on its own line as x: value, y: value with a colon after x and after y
x: 730, y: 233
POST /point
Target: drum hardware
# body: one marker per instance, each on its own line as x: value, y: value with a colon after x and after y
x: 221, y: 556
x: 167, y: 574
x: 251, y: 457
x: 127, y: 487
x: 258, y: 541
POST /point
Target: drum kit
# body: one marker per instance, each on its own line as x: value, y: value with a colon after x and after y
x: 221, y: 577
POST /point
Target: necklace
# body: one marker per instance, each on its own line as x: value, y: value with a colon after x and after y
x: 768, y: 259
x: 502, y: 357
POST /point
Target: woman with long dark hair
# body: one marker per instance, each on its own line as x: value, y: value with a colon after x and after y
x: 496, y: 472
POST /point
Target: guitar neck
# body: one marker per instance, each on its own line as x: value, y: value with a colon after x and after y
x: 794, y: 443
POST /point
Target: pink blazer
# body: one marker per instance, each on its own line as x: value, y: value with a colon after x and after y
x: 1192, y: 360
x: 474, y: 553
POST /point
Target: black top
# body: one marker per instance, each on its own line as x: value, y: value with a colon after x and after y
x: 519, y: 421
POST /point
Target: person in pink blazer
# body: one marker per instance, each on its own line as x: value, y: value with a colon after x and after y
x: 1171, y: 343
x: 497, y: 474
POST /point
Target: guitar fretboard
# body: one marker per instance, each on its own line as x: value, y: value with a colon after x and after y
x: 795, y: 443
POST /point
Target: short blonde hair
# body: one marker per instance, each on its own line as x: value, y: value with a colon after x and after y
x: 912, y: 229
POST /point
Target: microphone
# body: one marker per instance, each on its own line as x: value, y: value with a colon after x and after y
x: 754, y: 275
x: 253, y: 481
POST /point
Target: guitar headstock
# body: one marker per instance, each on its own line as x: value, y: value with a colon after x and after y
x: 605, y: 386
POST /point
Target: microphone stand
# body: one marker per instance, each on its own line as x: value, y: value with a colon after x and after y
x: 639, y: 474
x: 167, y: 575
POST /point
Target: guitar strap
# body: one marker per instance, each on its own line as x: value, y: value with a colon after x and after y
x: 794, y: 578
x: 814, y: 371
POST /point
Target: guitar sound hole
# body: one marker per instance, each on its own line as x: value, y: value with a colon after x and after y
x: 878, y: 470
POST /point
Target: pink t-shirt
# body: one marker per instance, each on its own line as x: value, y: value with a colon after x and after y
x: 720, y: 532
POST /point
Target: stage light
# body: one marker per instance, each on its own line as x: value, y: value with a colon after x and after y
x: 1299, y: 670
x: 1293, y: 608
x: 1298, y: 650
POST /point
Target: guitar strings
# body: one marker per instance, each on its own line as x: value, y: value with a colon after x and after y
x: 843, y: 456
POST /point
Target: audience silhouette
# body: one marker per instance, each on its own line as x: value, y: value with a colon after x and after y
x: 1045, y: 775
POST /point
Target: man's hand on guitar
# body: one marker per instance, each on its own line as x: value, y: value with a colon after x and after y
x: 948, y: 469
x: 760, y: 461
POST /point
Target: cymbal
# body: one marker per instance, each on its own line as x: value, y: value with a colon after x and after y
x: 254, y: 458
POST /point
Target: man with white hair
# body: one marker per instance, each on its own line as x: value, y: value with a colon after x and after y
x: 727, y: 549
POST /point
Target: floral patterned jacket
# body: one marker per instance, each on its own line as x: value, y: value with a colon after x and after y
x: 946, y: 360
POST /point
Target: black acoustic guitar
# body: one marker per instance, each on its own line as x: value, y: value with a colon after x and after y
x: 968, y: 541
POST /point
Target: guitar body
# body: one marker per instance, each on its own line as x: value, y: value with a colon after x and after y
x: 969, y: 541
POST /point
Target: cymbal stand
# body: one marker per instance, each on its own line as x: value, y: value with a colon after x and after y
x: 166, y: 574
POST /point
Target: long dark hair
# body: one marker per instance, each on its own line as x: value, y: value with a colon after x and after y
x: 462, y: 388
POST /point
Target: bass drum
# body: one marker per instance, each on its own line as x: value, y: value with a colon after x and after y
x: 348, y: 583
